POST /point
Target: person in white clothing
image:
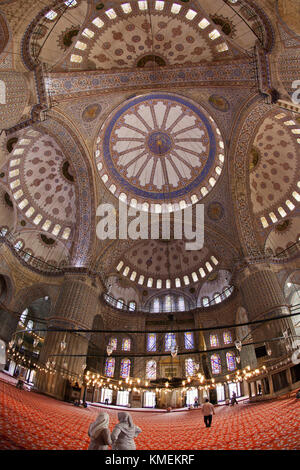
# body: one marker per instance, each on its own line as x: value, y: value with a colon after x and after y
x: 208, y: 410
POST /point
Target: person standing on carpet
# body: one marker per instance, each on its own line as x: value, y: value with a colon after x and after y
x: 124, y: 433
x: 208, y: 410
x: 99, y: 433
x: 233, y: 399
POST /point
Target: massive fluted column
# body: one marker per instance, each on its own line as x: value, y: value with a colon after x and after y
x: 263, y: 298
x: 75, y: 308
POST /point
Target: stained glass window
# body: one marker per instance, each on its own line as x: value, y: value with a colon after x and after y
x: 231, y: 361
x: 126, y: 343
x: 188, y: 340
x: 168, y: 304
x: 151, y: 370
x: 214, y: 341
x: 215, y: 364
x: 189, y: 367
x: 227, y: 337
x: 151, y: 343
x: 109, y: 367
x: 170, y: 341
x: 113, y: 343
x: 125, y: 368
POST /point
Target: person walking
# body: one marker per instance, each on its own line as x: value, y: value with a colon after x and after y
x: 208, y: 410
x: 99, y: 433
x: 233, y: 399
x: 124, y: 433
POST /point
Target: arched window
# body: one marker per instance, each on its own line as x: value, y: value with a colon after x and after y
x: 18, y: 245
x: 155, y: 305
x: 205, y: 301
x: 132, y: 305
x: 109, y: 367
x: 181, y: 304
x: 168, y: 303
x: 151, y: 342
x: 151, y: 370
x: 2, y: 92
x: 214, y: 341
x: 217, y: 298
x: 188, y: 340
x: 3, y: 231
x: 215, y: 361
x: 231, y: 361
x: 189, y: 367
x: 125, y: 368
x: 24, y: 315
x: 113, y: 342
x: 126, y: 344
x: 120, y: 303
x: 227, y: 338
x: 170, y: 341
x: 27, y: 256
x: 29, y: 325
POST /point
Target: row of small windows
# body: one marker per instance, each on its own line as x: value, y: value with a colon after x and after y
x: 19, y: 196
x: 126, y: 344
x: 217, y: 297
x: 169, y: 303
x: 124, y: 367
x: 215, y: 361
x: 281, y: 211
x: 214, y: 339
x: 273, y: 218
x: 121, y: 304
x: 143, y: 6
x: 163, y: 208
x: 170, y: 341
x: 158, y: 284
x: 51, y: 15
x: 18, y: 245
x: 151, y: 366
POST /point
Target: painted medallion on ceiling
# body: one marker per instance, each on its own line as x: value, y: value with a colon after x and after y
x: 160, y: 148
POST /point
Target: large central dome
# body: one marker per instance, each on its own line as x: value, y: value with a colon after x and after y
x: 160, y: 148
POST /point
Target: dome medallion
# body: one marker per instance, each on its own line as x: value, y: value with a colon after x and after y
x: 160, y: 148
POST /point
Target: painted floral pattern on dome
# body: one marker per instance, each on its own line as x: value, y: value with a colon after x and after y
x: 125, y: 40
x: 40, y: 188
x: 275, y: 174
x: 160, y: 147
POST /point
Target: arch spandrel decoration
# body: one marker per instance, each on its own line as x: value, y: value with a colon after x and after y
x: 251, y: 117
x: 81, y: 251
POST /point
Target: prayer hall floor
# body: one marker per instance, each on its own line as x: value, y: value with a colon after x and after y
x: 30, y: 421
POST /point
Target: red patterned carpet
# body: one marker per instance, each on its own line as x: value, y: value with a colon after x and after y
x: 32, y: 421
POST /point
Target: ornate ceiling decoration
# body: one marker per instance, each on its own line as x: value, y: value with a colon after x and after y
x: 275, y: 168
x: 160, y: 148
x: 165, y: 264
x: 149, y: 33
x: 42, y: 184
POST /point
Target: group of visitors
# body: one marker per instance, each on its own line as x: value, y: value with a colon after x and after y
x: 121, y: 438
x: 125, y: 431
